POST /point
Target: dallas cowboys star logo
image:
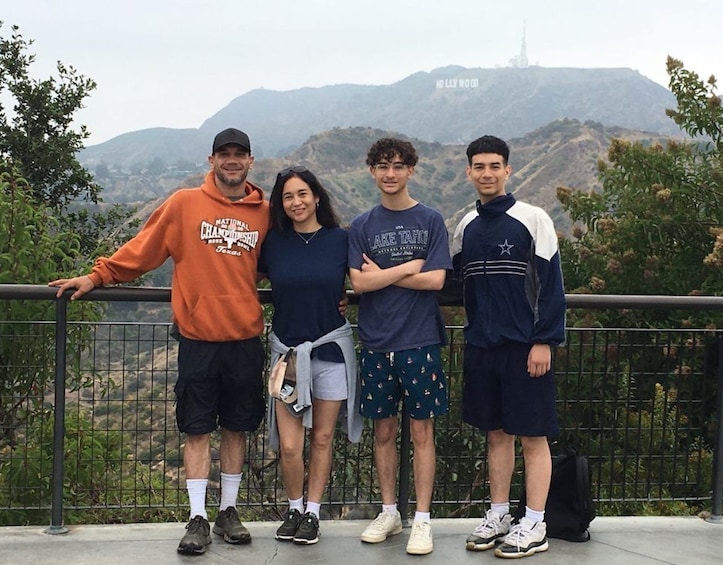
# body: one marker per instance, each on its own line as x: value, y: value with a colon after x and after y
x: 505, y: 248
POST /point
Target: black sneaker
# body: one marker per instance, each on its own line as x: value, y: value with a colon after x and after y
x: 197, y: 538
x: 308, y: 531
x: 230, y: 527
x: 287, y: 530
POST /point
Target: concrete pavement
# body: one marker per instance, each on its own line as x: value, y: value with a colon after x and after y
x: 615, y: 540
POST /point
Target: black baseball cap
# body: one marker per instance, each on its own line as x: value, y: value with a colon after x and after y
x: 231, y: 135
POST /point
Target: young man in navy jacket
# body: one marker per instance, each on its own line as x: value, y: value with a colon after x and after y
x: 507, y: 254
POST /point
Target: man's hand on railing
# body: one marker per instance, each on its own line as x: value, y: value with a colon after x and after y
x: 82, y: 285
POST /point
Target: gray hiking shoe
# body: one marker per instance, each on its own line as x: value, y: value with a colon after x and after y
x: 230, y: 527
x: 197, y: 537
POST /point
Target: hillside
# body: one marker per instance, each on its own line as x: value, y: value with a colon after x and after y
x: 562, y: 153
x: 448, y: 105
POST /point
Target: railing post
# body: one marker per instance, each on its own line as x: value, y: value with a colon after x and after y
x: 715, y: 515
x: 404, y: 465
x: 61, y: 332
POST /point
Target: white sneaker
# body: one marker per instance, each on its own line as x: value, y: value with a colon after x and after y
x: 489, y: 532
x: 384, y: 525
x: 420, y: 540
x: 525, y: 538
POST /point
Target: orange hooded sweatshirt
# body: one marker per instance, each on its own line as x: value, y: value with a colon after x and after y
x: 215, y: 245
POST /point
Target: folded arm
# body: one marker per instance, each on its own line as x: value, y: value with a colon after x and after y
x: 428, y: 280
x: 371, y: 277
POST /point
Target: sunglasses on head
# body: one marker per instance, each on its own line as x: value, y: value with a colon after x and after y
x: 294, y: 169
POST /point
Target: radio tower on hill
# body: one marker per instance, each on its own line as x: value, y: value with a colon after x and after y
x: 521, y: 60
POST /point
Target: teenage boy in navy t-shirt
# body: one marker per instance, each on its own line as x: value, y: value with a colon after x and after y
x: 398, y: 256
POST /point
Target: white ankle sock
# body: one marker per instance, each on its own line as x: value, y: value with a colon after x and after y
x: 422, y: 516
x: 390, y: 509
x: 297, y: 504
x: 534, y: 515
x: 501, y: 508
x: 313, y: 507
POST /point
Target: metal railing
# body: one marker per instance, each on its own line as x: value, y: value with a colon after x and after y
x: 644, y: 405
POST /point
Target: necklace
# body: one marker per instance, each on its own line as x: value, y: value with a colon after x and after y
x: 308, y: 239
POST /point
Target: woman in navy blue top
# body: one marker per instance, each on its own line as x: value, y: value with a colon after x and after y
x: 305, y: 258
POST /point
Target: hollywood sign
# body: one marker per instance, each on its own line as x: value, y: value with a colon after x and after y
x: 458, y: 83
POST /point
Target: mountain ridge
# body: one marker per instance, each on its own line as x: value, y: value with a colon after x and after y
x: 451, y: 104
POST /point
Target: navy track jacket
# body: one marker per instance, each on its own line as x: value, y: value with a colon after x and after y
x: 507, y: 255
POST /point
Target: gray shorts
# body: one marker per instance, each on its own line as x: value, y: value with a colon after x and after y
x: 328, y: 380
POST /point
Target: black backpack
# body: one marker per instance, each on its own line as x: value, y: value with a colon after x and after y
x: 570, y: 507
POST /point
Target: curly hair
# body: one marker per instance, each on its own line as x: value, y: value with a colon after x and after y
x: 325, y: 213
x: 388, y: 148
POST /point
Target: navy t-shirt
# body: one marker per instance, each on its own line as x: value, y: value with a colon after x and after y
x: 307, y: 283
x: 396, y: 318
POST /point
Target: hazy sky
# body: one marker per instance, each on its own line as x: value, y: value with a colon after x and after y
x: 176, y: 63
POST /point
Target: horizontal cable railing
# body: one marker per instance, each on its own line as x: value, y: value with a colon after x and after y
x: 642, y: 404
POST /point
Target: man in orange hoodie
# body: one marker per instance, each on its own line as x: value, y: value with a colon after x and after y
x: 213, y: 233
